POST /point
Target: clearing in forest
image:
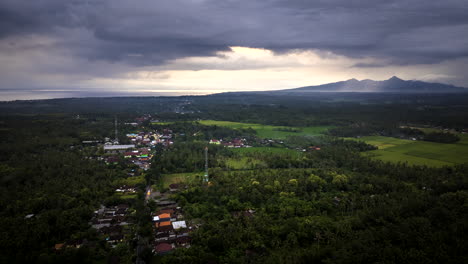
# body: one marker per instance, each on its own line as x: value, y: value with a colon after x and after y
x: 188, y: 177
x: 267, y: 131
x: 418, y: 152
x: 262, y: 150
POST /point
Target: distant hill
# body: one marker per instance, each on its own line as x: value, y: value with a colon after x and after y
x: 392, y: 85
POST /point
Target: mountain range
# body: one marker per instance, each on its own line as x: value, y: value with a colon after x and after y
x: 392, y: 85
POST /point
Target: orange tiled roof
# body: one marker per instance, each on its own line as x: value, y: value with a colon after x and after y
x: 59, y: 246
x: 161, y: 224
x: 165, y: 223
x: 165, y: 211
x: 161, y: 216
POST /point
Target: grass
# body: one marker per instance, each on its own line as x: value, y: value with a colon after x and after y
x: 419, y: 152
x: 246, y: 160
x: 243, y: 163
x: 265, y: 150
x: 127, y: 196
x: 162, y: 123
x: 383, y: 142
x: 267, y: 131
x: 463, y: 139
x: 131, y: 181
x: 168, y: 179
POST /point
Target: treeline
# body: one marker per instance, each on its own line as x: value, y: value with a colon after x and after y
x: 190, y: 131
x: 441, y: 137
x: 338, y: 109
x: 325, y: 206
x: 391, y: 130
x: 299, y: 112
x: 380, y: 128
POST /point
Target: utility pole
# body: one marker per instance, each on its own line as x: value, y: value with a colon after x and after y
x: 206, y: 165
x: 116, y: 132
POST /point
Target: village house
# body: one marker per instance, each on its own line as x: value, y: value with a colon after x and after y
x: 126, y: 189
x: 110, y: 220
x: 183, y: 241
x: 114, y: 149
x: 115, y: 239
x: 179, y: 225
x: 167, y: 203
x: 163, y: 248
x: 235, y: 143
x: 170, y: 228
x: 59, y: 246
x: 111, y: 160
x: 215, y: 142
x: 91, y: 142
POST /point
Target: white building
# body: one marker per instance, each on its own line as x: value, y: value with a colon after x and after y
x: 179, y: 224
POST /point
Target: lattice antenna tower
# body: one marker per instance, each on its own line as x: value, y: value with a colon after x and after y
x: 206, y: 165
x: 116, y: 131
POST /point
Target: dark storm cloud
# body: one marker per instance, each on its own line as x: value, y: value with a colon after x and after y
x: 152, y: 32
x: 40, y: 17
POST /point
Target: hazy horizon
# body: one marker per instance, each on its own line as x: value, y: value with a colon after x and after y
x: 42, y: 94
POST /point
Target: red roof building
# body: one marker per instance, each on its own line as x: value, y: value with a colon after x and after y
x: 165, y: 211
x: 163, y: 248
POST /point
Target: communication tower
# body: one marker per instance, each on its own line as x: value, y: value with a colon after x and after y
x: 206, y: 165
x: 116, y: 141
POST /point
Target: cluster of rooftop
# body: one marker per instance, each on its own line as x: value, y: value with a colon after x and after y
x: 234, y: 143
x: 151, y: 138
x: 110, y: 222
x: 171, y: 230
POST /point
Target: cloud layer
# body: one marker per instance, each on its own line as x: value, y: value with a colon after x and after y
x: 50, y: 43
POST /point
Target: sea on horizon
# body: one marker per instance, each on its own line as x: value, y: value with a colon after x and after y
x: 13, y: 95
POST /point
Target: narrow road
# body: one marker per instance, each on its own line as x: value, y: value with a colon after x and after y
x: 148, y: 193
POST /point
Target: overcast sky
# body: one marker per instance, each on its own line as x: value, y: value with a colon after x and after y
x: 204, y: 46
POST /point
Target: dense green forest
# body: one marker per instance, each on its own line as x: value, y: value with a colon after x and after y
x: 301, y: 199
x: 331, y: 206
x: 47, y: 174
x: 447, y: 110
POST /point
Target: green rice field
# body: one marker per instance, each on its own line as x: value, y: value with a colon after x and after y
x: 168, y: 179
x: 130, y: 181
x: 246, y: 157
x: 243, y: 163
x: 418, y: 152
x: 267, y: 131
x: 265, y: 150
x: 161, y: 123
x: 127, y: 196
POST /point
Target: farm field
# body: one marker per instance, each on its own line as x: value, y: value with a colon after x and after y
x: 246, y: 157
x: 168, y: 179
x: 267, y: 131
x: 418, y: 152
x: 383, y: 142
x: 243, y: 163
x: 131, y: 181
x: 161, y: 123
x: 265, y: 150
x: 127, y: 196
